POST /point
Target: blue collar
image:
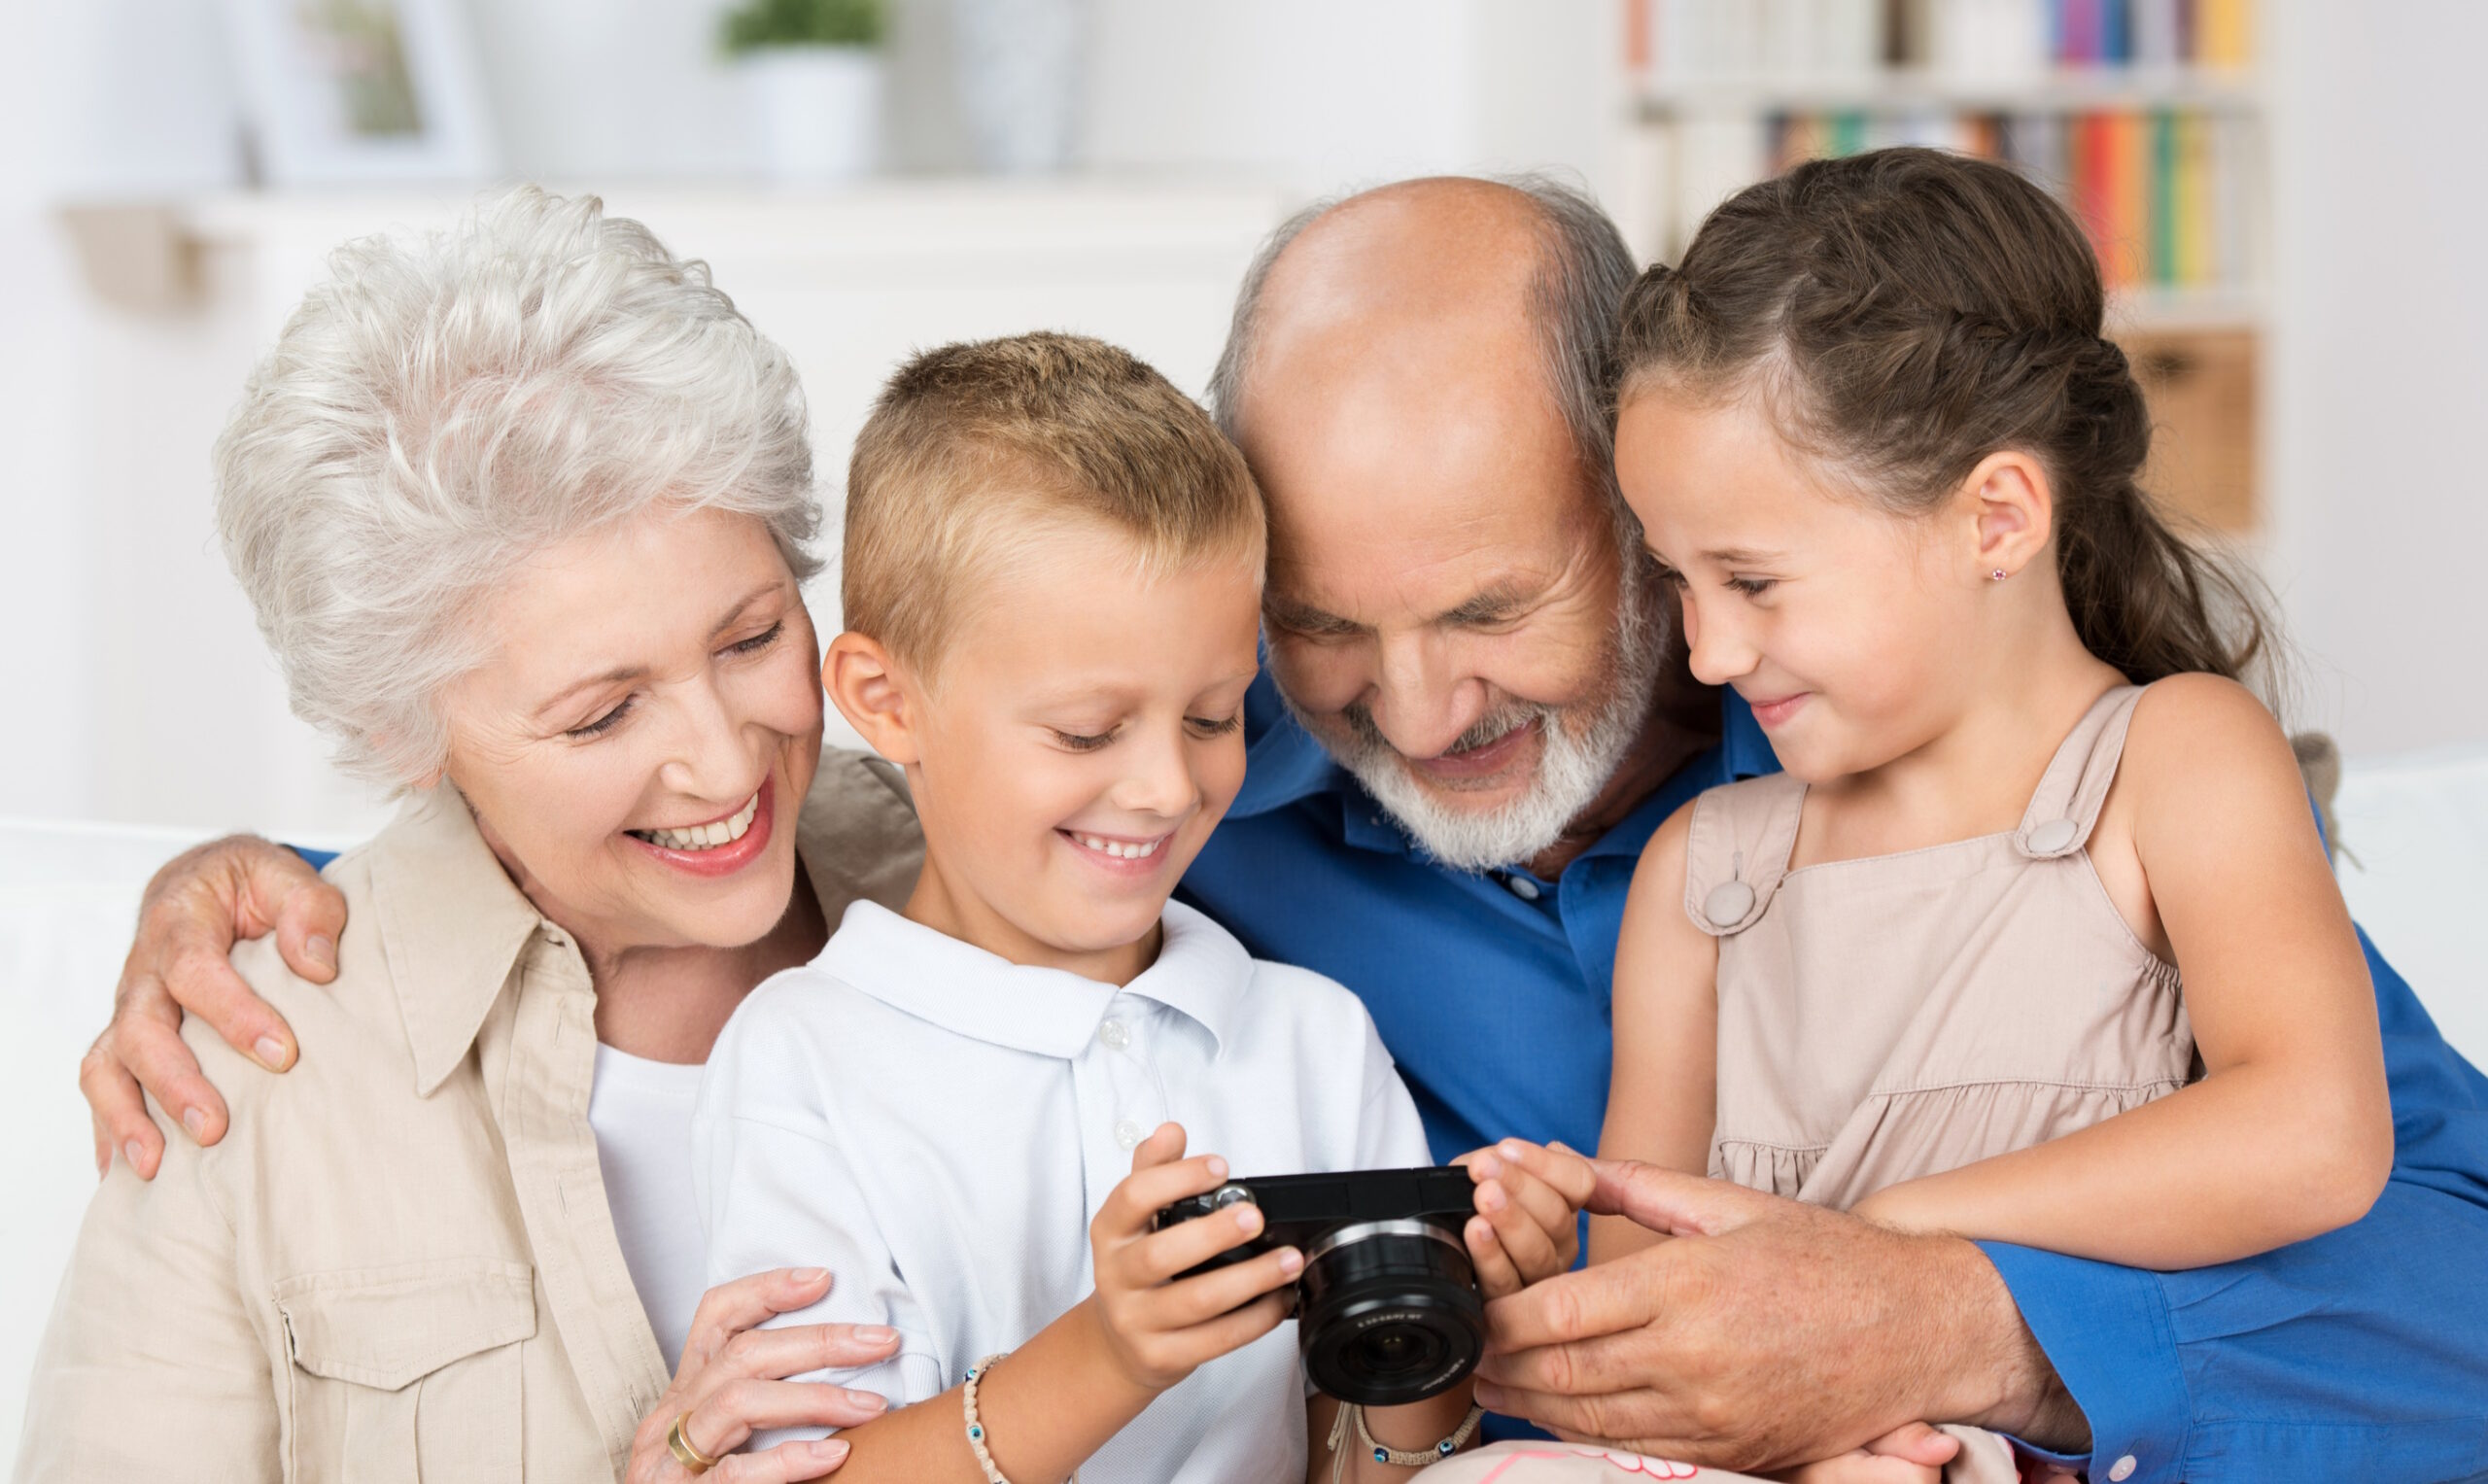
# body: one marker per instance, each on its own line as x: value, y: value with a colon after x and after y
x: 1285, y: 766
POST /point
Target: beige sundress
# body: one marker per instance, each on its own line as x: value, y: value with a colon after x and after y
x: 1900, y: 1016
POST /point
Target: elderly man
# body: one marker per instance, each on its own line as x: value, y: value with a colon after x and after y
x: 1476, y: 722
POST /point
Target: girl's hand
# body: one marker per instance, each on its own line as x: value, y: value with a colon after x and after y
x: 1158, y: 1328
x: 731, y: 1383
x: 1528, y: 1201
x: 1914, y: 1453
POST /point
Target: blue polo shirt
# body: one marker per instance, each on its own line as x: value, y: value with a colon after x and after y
x: 2363, y: 1354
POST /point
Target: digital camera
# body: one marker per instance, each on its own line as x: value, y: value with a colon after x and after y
x: 1386, y: 1307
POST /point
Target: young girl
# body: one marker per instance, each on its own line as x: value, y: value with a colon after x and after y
x: 2035, y: 939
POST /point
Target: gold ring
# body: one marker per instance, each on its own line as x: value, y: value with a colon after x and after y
x: 690, y: 1457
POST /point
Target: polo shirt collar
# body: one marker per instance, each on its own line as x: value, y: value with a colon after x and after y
x: 1202, y: 972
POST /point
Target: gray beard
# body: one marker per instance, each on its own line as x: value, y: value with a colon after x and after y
x: 1576, y: 757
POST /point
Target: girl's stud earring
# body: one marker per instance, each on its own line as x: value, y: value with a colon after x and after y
x: 1996, y: 575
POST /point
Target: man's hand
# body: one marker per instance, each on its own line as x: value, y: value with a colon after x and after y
x: 202, y: 902
x: 1768, y: 1333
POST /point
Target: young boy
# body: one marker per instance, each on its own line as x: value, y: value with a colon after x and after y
x: 1053, y: 593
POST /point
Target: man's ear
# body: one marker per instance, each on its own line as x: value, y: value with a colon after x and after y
x: 866, y: 684
x: 2012, y: 507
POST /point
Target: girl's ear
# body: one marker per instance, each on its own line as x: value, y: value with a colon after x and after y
x: 865, y: 683
x: 2013, y: 508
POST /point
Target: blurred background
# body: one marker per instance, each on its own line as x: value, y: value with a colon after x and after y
x: 2286, y: 192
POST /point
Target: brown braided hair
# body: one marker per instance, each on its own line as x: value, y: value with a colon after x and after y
x: 1903, y: 314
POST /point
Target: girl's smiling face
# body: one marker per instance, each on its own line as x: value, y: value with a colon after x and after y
x: 1851, y: 631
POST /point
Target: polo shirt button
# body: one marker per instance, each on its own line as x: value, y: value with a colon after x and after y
x: 1522, y: 887
x: 2053, y: 836
x: 1127, y: 1133
x: 1727, y: 904
x: 2122, y: 1470
x: 1115, y: 1034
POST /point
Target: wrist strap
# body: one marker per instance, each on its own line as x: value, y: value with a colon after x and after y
x: 1349, y: 1413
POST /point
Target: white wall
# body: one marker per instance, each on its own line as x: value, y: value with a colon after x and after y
x: 2381, y: 502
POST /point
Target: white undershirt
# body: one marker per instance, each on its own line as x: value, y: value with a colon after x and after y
x: 641, y: 1111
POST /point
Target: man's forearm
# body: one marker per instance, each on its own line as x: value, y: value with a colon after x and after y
x: 1999, y: 1377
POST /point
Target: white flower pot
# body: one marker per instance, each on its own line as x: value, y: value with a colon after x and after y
x: 817, y: 111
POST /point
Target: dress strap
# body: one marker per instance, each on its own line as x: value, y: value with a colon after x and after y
x: 1738, y: 850
x: 2067, y: 802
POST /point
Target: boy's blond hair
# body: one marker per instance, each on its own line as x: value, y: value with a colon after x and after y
x: 970, y: 444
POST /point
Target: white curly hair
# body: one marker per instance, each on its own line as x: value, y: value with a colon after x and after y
x: 447, y: 405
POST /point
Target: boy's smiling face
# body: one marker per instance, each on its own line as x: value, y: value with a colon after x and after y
x: 1077, y: 739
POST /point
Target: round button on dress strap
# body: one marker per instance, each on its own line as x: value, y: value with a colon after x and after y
x: 2052, y: 837
x: 1727, y: 904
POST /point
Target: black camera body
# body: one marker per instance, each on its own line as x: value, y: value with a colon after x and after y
x: 1386, y: 1307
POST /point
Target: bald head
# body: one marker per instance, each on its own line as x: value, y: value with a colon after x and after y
x: 1416, y: 376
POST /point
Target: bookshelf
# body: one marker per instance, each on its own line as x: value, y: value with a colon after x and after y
x: 2146, y: 117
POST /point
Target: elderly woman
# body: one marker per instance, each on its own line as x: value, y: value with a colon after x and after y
x: 523, y: 511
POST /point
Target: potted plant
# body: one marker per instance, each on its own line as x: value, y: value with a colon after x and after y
x: 813, y: 71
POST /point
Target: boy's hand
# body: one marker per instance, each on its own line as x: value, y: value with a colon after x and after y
x: 1159, y: 1329
x: 1528, y: 1201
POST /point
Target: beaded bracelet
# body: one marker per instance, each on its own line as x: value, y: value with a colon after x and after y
x: 1349, y: 1412
x: 976, y: 1425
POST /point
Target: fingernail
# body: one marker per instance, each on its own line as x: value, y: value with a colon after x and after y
x: 1510, y: 1149
x: 1490, y: 1396
x: 1249, y: 1218
x: 270, y: 1052
x: 322, y: 950
x: 129, y: 1152
x: 829, y: 1450
x: 1490, y: 1198
x: 1487, y: 1167
x: 808, y: 1274
x: 194, y: 1120
x: 1217, y: 1168
x: 868, y: 1402
x: 1290, y: 1262
x: 875, y: 1334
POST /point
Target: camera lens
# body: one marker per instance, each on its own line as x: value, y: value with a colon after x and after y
x: 1389, y: 1312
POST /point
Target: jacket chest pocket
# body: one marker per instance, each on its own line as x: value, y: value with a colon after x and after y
x: 407, y: 1374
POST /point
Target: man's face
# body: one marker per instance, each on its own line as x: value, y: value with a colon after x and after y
x: 1447, y: 609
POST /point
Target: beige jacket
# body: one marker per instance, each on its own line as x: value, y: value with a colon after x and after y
x: 398, y: 1265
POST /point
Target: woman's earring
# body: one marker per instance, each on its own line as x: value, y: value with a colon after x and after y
x: 1996, y: 575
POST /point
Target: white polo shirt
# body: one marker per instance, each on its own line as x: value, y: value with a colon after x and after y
x: 936, y: 1126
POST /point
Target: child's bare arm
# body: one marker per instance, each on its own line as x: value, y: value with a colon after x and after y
x: 1662, y: 1095
x: 2289, y: 1134
x: 1086, y: 1376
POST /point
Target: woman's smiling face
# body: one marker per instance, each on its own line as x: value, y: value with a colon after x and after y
x: 639, y: 746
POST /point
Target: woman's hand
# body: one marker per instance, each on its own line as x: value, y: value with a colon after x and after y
x: 1528, y: 1222
x: 731, y: 1383
x: 1160, y: 1329
x: 196, y: 907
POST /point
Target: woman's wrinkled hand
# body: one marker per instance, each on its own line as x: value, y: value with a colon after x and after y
x: 732, y: 1384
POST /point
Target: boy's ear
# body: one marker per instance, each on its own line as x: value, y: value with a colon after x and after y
x: 862, y: 679
x: 2012, y: 503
